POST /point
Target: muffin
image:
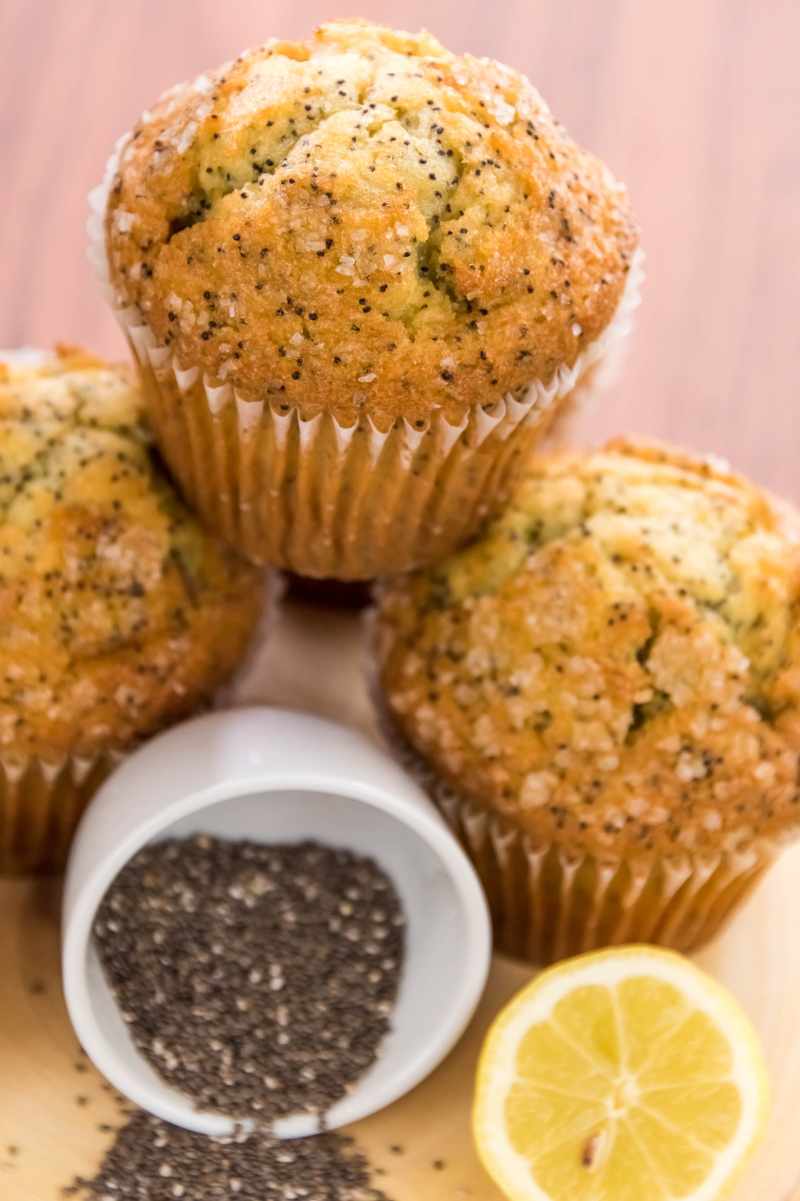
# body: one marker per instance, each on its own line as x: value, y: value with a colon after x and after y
x: 118, y: 613
x: 360, y: 275
x: 603, y: 695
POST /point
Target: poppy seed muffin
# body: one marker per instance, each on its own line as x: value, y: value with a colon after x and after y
x: 605, y: 692
x: 352, y: 268
x: 119, y: 614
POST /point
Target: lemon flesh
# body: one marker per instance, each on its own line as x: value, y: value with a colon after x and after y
x: 625, y: 1075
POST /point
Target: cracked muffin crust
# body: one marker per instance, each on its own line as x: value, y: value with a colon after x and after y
x: 614, y: 668
x: 361, y: 275
x: 366, y: 221
x: 119, y: 613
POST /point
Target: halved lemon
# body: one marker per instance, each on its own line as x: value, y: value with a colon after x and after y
x: 624, y: 1075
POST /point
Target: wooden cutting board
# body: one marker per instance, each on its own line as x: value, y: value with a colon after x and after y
x: 53, y: 1106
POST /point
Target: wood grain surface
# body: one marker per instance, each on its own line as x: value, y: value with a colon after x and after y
x: 695, y: 103
x: 53, y: 1105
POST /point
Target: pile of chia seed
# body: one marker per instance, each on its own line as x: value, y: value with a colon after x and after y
x: 259, y: 980
x: 153, y: 1161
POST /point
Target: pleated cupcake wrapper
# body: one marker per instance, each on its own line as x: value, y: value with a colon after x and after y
x: 41, y: 803
x: 322, y: 499
x: 548, y: 904
x: 326, y: 499
x: 95, y: 219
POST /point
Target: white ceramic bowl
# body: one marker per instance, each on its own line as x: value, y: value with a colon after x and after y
x: 275, y: 776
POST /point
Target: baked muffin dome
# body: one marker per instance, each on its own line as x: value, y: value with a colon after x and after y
x: 616, y: 664
x: 366, y: 219
x: 361, y: 276
x: 603, y: 695
x: 119, y: 613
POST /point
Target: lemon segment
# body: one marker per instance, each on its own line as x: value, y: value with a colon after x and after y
x: 624, y: 1075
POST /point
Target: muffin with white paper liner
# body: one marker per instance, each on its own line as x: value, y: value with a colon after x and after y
x: 360, y: 275
x: 603, y: 695
x: 120, y: 614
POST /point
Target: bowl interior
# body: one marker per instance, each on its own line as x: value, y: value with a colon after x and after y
x: 437, y: 988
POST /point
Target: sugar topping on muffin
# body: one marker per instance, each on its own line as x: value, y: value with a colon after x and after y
x: 119, y: 613
x: 616, y: 663
x: 366, y: 220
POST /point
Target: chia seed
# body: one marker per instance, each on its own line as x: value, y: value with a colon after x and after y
x: 153, y: 1161
x: 259, y: 980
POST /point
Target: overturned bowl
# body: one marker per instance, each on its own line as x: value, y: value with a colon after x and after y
x: 271, y: 775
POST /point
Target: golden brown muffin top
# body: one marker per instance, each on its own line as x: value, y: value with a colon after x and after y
x: 616, y: 664
x: 117, y: 612
x: 366, y: 220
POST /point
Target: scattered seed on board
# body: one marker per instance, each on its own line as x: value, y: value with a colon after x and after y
x: 259, y: 980
x: 152, y: 1161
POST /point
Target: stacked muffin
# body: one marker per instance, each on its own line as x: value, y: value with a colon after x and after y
x: 603, y: 694
x: 120, y: 614
x: 360, y: 274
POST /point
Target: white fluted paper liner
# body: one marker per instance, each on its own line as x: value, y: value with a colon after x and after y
x: 95, y: 221
x: 547, y: 903
x: 324, y: 499
x: 26, y: 358
x: 41, y: 803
